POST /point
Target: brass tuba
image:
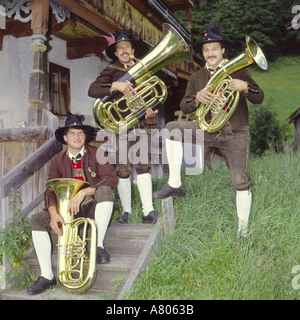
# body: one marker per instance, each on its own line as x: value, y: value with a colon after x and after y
x: 119, y: 114
x: 76, y: 269
x: 225, y: 101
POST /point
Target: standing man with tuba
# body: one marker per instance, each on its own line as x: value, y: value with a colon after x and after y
x: 233, y: 140
x: 120, y: 47
x: 95, y: 201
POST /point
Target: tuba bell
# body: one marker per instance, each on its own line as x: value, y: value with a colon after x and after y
x: 76, y: 268
x: 213, y: 116
x: 119, y: 114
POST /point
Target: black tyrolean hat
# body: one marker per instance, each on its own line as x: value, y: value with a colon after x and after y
x: 212, y: 35
x: 75, y: 121
x: 123, y: 35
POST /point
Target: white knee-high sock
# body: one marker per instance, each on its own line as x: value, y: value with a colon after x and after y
x: 42, y: 245
x: 103, y: 213
x: 243, y: 206
x: 124, y: 190
x: 174, y: 152
x: 144, y: 183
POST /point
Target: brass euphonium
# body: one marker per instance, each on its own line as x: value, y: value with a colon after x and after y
x: 213, y: 116
x: 119, y: 114
x: 76, y: 268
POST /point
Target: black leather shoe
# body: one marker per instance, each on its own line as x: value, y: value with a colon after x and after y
x: 40, y: 285
x: 167, y: 191
x: 152, y: 217
x: 124, y: 218
x: 102, y: 256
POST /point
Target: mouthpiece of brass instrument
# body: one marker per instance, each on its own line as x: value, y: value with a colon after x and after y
x: 132, y: 57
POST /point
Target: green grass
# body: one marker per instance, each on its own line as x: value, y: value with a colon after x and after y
x: 281, y: 85
x: 203, y: 258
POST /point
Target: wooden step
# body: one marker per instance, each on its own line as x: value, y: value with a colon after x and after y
x: 124, y: 243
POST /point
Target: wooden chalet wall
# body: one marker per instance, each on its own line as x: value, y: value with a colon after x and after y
x: 96, y: 18
x: 80, y: 23
x: 15, y: 146
x: 295, y: 119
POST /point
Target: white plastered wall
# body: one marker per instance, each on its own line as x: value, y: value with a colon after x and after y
x: 16, y: 61
x: 82, y: 73
x: 15, y: 67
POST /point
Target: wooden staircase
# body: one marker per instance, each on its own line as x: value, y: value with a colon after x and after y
x: 130, y: 246
x: 124, y: 243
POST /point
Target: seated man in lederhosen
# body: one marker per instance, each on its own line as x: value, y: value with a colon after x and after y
x: 95, y: 201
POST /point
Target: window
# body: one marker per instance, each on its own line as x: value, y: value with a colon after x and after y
x: 59, y: 89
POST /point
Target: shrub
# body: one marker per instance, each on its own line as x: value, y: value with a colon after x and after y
x: 265, y: 129
x: 15, y: 241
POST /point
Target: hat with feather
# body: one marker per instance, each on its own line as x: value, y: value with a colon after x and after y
x: 123, y: 35
x: 212, y: 35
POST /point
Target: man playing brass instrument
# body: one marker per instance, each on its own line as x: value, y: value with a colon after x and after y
x: 95, y: 201
x: 233, y: 140
x: 121, y: 47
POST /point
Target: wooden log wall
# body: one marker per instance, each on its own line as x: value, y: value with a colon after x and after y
x: 16, y: 145
x: 297, y: 134
x: 14, y: 149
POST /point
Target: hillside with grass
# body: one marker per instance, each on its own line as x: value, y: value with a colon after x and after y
x: 281, y: 86
x: 204, y: 259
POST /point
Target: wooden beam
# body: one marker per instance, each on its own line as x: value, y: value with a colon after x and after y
x: 39, y: 26
x: 111, y: 16
x: 17, y: 28
x: 57, y: 26
x: 37, y: 77
x: 179, y: 4
x: 188, y: 16
x: 40, y: 16
x: 183, y: 74
x: 21, y: 134
x: 1, y: 39
x: 33, y: 204
x: 91, y: 15
x: 135, y: 17
x: 146, y: 12
x: 80, y: 48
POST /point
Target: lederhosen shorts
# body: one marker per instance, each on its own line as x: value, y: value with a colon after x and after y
x: 124, y: 167
x: 234, y: 145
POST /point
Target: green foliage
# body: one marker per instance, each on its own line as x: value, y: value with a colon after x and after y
x: 264, y: 128
x: 270, y: 122
x: 15, y: 241
x: 263, y: 20
x: 281, y: 82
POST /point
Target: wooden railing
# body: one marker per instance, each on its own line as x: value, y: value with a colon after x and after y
x: 38, y: 146
x: 17, y: 176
